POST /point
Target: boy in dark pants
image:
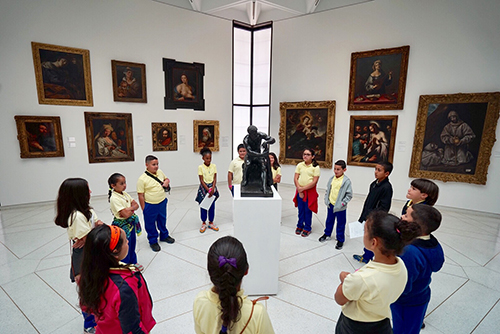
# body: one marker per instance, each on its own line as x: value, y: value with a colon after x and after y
x: 422, y: 257
x: 379, y: 198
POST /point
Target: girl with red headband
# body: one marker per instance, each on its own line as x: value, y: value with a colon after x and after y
x: 115, y: 293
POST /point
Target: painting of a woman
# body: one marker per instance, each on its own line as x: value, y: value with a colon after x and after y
x: 106, y: 146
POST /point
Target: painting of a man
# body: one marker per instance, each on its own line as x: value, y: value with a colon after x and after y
x: 205, y: 137
x: 40, y: 137
x: 62, y: 75
x: 164, y: 137
x: 129, y: 86
x: 456, y: 137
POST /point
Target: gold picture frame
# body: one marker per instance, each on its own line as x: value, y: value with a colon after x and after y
x: 308, y: 124
x: 454, y: 136
x: 62, y: 75
x: 205, y: 134
x: 129, y: 81
x: 164, y: 136
x: 39, y: 136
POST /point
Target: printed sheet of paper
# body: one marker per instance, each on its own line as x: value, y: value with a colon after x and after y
x: 356, y: 229
x: 207, y: 202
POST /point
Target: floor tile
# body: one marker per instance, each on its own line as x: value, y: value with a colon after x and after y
x: 12, y: 320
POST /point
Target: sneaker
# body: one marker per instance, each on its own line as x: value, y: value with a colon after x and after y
x: 139, y: 267
x: 305, y: 233
x: 203, y: 228
x: 339, y: 245
x: 298, y: 231
x: 155, y: 247
x: 423, y: 325
x: 360, y: 258
x: 324, y: 238
x: 89, y: 330
x: 213, y: 227
x: 168, y: 240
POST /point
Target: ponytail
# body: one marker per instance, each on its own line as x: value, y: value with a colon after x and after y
x: 314, y: 162
x: 112, y: 180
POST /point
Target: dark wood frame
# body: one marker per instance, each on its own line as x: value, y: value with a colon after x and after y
x: 23, y: 134
x: 197, y: 124
x: 328, y: 124
x: 37, y: 62
x: 137, y: 67
x: 356, y: 78
x: 443, y: 104
x: 156, y: 129
x: 91, y: 133
x: 392, y: 119
x: 195, y: 72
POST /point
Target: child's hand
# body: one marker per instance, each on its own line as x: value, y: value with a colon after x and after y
x: 79, y: 243
x: 166, y: 182
x: 343, y: 275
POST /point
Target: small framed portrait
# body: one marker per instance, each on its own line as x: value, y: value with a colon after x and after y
x: 206, y: 134
x: 183, y: 85
x: 62, y: 75
x: 164, y: 136
x: 378, y: 79
x: 129, y: 81
x: 307, y: 125
x: 371, y: 140
x: 454, y: 136
x: 39, y: 136
x: 109, y: 137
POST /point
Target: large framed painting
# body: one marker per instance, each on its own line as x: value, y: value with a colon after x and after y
x: 62, y: 75
x: 183, y: 85
x: 371, y: 140
x: 454, y: 136
x: 39, y: 136
x: 307, y: 125
x: 109, y: 137
x: 205, y: 134
x: 164, y: 136
x: 129, y: 81
x: 378, y: 79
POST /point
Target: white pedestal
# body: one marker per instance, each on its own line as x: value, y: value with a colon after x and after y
x: 257, y: 223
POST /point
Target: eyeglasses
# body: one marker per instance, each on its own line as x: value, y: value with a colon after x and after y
x: 306, y: 154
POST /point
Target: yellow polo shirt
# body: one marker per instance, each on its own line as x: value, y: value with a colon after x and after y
x: 306, y: 173
x: 334, y: 189
x: 276, y: 171
x: 79, y: 226
x: 119, y: 202
x: 208, y: 172
x: 152, y: 189
x: 236, y: 167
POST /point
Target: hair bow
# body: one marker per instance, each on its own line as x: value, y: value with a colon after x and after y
x: 223, y: 260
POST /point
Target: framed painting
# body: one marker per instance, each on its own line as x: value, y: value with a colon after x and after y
x: 307, y: 125
x: 205, y: 134
x: 109, y: 137
x: 39, y: 136
x: 378, y: 79
x: 129, y: 81
x: 183, y: 85
x: 371, y: 140
x: 164, y: 136
x: 62, y: 75
x: 454, y: 136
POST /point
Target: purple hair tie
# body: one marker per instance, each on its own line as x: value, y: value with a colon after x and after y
x: 223, y: 260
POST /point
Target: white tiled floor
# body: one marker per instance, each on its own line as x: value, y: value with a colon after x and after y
x: 36, y: 295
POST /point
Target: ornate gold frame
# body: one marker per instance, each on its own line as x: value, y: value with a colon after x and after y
x: 22, y: 136
x: 329, y: 123
x: 156, y: 128
x: 137, y: 66
x: 196, y: 125
x: 487, y: 138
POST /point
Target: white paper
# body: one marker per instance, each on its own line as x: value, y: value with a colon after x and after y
x: 356, y: 229
x: 207, y: 202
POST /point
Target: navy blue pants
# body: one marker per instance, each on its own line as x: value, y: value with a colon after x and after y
x: 155, y: 219
x: 131, y: 257
x: 407, y: 319
x: 211, y: 213
x: 305, y: 214
x: 330, y: 221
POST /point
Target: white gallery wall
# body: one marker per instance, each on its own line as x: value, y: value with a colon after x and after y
x: 454, y: 47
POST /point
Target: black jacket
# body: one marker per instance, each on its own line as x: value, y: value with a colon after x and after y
x: 379, y: 198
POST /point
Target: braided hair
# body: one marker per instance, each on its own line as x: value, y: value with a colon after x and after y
x: 112, y: 180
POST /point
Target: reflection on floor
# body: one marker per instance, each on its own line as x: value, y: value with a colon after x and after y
x: 36, y: 295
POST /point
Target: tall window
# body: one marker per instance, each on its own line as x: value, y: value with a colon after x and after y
x: 251, y: 78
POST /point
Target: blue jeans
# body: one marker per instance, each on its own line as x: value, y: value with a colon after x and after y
x: 88, y: 320
x: 155, y: 218
x: 131, y: 257
x: 407, y: 319
x: 211, y: 213
x: 305, y: 214
x: 330, y: 221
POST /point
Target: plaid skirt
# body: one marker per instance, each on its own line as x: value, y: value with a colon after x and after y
x: 200, y: 195
x: 128, y: 224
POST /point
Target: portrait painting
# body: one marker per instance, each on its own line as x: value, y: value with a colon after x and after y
x: 39, y: 136
x: 307, y: 125
x: 164, y: 136
x: 129, y: 81
x: 183, y: 85
x: 62, y: 75
x: 206, y: 134
x: 378, y: 79
x: 371, y: 140
x: 109, y: 137
x: 454, y: 136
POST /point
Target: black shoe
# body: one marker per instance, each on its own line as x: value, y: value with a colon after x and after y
x: 155, y: 247
x: 168, y: 240
x: 423, y: 325
x: 324, y: 238
x: 298, y: 231
x: 339, y: 245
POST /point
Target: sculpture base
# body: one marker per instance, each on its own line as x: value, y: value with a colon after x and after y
x: 254, y: 190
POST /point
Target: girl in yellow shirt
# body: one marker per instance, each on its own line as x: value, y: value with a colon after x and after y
x: 207, y: 172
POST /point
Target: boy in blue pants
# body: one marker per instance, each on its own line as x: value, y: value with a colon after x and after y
x: 338, y: 194
x: 422, y: 257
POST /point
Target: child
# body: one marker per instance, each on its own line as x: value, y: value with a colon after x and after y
x: 224, y: 308
x: 235, y: 171
x: 123, y: 207
x: 379, y: 198
x: 151, y: 188
x: 365, y: 295
x: 421, y: 258
x: 78, y: 218
x: 116, y: 294
x: 306, y: 198
x: 275, y: 169
x: 421, y: 191
x: 207, y: 172
x: 338, y: 194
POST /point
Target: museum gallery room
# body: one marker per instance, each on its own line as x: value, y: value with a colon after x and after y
x: 91, y: 88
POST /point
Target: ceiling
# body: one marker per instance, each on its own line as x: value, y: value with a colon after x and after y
x: 258, y: 11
